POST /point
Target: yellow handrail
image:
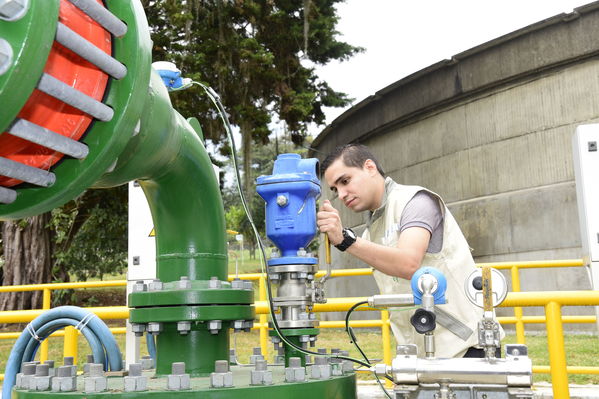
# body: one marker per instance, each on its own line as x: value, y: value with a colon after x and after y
x: 552, y: 302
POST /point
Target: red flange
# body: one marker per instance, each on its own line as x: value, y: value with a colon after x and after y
x: 53, y: 114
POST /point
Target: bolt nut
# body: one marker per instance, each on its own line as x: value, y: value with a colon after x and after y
x: 184, y: 283
x: 380, y: 369
x: 304, y: 316
x: 214, y: 326
x: 139, y: 286
x: 238, y: 284
x: 138, y: 329
x: 183, y: 327
x: 275, y: 253
x: 304, y: 338
x: 155, y: 285
x: 154, y: 328
x: 302, y: 253
x: 282, y: 200
x: 247, y: 285
x: 215, y: 283
x: 13, y: 10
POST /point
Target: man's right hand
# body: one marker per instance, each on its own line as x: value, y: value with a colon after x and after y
x: 329, y: 222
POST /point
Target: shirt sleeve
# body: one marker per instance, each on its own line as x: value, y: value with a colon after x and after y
x: 421, y: 211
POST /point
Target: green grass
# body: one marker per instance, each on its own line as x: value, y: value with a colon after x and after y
x: 581, y: 350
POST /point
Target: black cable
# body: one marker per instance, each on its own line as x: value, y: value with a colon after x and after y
x: 350, y: 331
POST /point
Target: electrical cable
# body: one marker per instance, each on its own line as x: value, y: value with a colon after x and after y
x: 354, y: 341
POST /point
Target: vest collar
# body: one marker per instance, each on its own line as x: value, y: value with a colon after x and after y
x: 377, y: 213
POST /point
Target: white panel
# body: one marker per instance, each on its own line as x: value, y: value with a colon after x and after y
x: 141, y: 257
x: 586, y: 170
x: 142, y: 245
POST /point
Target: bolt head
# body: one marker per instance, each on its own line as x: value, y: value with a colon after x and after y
x: 154, y: 328
x: 183, y: 327
x: 139, y: 286
x: 282, y: 200
x: 155, y: 285
x: 13, y: 10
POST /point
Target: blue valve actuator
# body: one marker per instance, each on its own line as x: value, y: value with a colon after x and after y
x: 290, y: 194
x: 439, y: 294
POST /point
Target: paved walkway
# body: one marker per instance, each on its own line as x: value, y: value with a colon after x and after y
x: 371, y: 390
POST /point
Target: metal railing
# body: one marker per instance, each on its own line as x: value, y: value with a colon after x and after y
x: 552, y: 301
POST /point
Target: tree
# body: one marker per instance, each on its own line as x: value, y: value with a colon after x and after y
x: 27, y: 243
x: 87, y: 237
x: 256, y: 55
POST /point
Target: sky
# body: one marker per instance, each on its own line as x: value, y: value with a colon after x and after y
x: 401, y: 37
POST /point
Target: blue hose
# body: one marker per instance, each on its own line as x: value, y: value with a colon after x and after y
x: 54, y: 325
x: 94, y: 324
x: 151, y: 344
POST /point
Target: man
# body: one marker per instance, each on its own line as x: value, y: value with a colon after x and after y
x: 407, y: 227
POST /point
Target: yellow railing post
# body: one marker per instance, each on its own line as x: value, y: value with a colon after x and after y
x: 517, y: 309
x: 557, y: 353
x: 70, y: 342
x: 46, y: 302
x: 263, y: 318
x: 386, y: 337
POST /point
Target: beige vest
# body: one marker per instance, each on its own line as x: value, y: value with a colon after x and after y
x: 454, y: 261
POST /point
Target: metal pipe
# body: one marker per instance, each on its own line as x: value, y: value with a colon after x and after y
x: 65, y: 93
x: 88, y: 51
x: 102, y: 16
x: 16, y: 170
x: 7, y: 196
x: 463, y: 371
x: 49, y: 139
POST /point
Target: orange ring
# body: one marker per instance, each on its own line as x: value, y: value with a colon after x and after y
x: 51, y: 113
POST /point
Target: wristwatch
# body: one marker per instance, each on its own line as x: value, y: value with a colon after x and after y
x: 349, y: 237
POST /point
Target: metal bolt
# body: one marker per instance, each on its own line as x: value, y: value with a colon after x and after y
x: 304, y: 316
x: 282, y: 200
x: 139, y: 286
x: 178, y: 368
x: 184, y: 327
x: 135, y: 369
x: 138, y: 329
x: 64, y: 371
x: 238, y: 284
x: 214, y: 283
x: 275, y: 253
x: 154, y: 328
x: 12, y: 10
x: 184, y: 283
x: 214, y: 326
x: 304, y: 338
x: 302, y: 252
x: 155, y: 285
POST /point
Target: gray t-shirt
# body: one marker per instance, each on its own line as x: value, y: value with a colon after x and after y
x: 424, y: 211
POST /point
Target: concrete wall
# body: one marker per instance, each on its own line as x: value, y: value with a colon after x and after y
x: 490, y: 131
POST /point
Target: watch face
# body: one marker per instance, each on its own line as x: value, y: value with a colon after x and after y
x: 350, y: 233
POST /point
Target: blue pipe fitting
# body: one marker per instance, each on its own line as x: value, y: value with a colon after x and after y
x: 290, y: 194
x: 438, y: 294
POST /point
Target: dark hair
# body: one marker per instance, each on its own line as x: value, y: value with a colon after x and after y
x: 353, y: 155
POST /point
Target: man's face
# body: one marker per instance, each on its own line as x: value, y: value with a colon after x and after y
x: 354, y: 186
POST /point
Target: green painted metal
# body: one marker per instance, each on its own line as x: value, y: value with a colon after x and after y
x: 31, y: 39
x: 293, y: 335
x: 106, y: 140
x: 194, y: 296
x: 199, y: 349
x: 174, y: 314
x: 173, y: 168
x: 337, y: 387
